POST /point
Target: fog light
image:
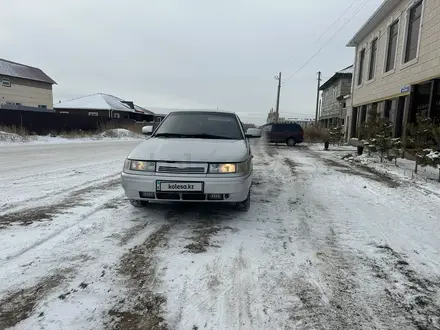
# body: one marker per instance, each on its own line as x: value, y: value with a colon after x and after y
x: 215, y: 196
x: 144, y: 194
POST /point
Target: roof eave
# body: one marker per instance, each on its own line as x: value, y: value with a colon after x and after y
x: 50, y: 81
x: 333, y: 79
x: 382, y: 12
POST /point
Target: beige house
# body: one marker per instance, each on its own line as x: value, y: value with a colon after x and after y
x: 397, y: 64
x: 22, y: 85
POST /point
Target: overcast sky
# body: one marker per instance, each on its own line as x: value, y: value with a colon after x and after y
x: 184, y: 53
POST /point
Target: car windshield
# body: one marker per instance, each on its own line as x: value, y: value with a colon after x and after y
x: 201, y: 125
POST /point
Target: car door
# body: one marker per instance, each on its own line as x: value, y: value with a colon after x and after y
x: 277, y: 134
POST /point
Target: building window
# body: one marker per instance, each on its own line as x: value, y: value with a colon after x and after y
x: 116, y: 115
x: 6, y: 82
x: 392, y: 46
x: 373, y: 56
x: 361, y: 66
x: 335, y: 92
x: 412, y: 38
x: 94, y: 114
x: 42, y: 106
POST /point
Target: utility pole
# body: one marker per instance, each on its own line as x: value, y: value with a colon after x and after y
x: 317, y: 98
x: 277, y: 110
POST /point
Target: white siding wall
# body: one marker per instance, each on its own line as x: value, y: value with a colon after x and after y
x: 427, y: 65
x: 27, y: 92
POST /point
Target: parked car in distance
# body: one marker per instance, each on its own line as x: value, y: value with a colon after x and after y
x: 289, y: 133
x: 192, y: 156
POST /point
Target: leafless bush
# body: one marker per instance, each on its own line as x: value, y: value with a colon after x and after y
x: 14, y: 134
x: 315, y: 134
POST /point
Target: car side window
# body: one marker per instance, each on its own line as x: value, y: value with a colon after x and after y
x: 278, y: 128
x: 267, y: 128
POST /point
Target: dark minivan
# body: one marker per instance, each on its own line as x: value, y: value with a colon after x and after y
x: 289, y: 133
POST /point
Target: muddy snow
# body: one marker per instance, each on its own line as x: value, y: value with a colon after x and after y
x: 327, y: 244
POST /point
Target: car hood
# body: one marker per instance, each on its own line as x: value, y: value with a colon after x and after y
x: 191, y: 150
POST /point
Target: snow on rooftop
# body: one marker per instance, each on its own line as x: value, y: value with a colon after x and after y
x: 99, y: 101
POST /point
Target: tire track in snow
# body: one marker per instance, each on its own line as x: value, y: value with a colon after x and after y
x: 77, y: 198
x: 416, y: 296
x: 19, y: 305
x: 73, y: 190
x: 218, y: 287
x: 143, y: 307
x: 328, y: 284
x: 56, y: 233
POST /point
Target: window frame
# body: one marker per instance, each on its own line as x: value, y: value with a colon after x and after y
x: 394, y: 21
x: 408, y: 9
x: 6, y: 82
x: 360, y: 76
x: 371, y: 69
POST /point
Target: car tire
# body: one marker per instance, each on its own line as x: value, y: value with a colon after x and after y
x: 291, y: 142
x: 138, y: 203
x: 244, y: 205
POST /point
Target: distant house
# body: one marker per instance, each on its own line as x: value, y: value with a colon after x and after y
x: 104, y: 105
x: 334, y: 95
x: 23, y: 85
x: 304, y: 122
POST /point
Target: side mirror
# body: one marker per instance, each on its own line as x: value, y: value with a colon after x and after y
x: 147, y: 130
x: 253, y: 133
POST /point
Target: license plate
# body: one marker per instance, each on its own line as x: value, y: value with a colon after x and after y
x: 167, y: 186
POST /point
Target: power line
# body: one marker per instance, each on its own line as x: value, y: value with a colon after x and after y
x: 331, y: 26
x: 330, y: 40
x: 334, y: 23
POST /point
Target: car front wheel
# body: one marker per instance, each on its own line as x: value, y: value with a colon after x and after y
x: 244, y: 205
x: 291, y: 142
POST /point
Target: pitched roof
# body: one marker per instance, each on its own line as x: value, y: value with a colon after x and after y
x: 381, y: 13
x: 100, y: 101
x: 12, y: 69
x: 344, y: 73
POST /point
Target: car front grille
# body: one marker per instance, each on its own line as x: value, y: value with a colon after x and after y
x: 182, y: 168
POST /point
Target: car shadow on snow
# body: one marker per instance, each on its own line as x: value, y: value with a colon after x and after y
x: 203, y: 220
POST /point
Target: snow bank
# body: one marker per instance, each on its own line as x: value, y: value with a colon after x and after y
x: 12, y: 138
x: 402, y: 168
x: 119, y: 133
x: 112, y: 134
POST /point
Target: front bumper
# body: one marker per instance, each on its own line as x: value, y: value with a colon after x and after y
x: 232, y: 189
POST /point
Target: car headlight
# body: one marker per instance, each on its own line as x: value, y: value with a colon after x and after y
x: 140, y: 165
x: 222, y: 168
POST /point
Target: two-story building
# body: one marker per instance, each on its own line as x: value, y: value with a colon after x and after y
x: 334, y: 98
x: 397, y: 64
x: 23, y: 85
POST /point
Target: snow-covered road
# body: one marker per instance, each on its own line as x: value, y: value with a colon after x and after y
x: 325, y: 245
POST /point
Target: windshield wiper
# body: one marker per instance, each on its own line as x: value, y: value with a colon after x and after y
x: 171, y: 135
x: 208, y: 136
x: 194, y: 136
